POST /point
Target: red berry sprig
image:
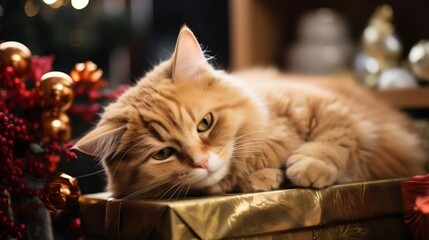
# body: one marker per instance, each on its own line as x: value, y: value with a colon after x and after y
x: 15, y: 94
x: 12, y: 130
x: 9, y: 227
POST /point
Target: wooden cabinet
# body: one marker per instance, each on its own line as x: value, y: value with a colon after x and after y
x: 256, y: 32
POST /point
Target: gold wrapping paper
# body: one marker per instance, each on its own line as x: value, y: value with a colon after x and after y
x: 350, y: 211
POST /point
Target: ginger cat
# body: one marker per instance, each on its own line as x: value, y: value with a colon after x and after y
x: 187, y: 127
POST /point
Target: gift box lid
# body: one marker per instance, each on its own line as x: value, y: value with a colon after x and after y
x: 239, y: 215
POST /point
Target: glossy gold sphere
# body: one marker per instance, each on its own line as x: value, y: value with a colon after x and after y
x: 379, y: 43
x: 60, y: 193
x: 419, y: 59
x: 17, y: 56
x: 379, y: 39
x: 55, y: 128
x: 55, y: 92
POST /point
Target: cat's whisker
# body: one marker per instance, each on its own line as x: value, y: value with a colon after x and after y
x: 246, y: 150
x: 143, y: 190
x: 119, y: 161
x: 246, y: 141
x: 251, y: 141
x: 91, y: 174
x: 248, y: 145
x: 246, y: 153
x: 134, y: 139
x: 178, y: 190
x: 238, y: 160
x: 129, y: 141
x: 178, y: 193
x: 252, y: 132
x: 253, y: 155
x: 187, y: 190
x: 240, y: 139
x: 169, y: 189
x: 256, y: 144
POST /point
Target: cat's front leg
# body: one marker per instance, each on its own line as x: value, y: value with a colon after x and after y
x: 316, y: 164
x: 306, y: 171
x: 264, y: 179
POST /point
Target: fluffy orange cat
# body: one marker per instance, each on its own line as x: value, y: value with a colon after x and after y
x: 186, y: 126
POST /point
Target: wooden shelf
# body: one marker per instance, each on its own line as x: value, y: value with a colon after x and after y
x: 417, y: 98
x: 259, y: 31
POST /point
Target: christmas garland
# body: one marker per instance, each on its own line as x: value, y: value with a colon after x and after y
x: 35, y: 133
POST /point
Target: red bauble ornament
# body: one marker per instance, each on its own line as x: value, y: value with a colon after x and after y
x: 60, y: 193
x: 55, y: 92
x: 17, y: 56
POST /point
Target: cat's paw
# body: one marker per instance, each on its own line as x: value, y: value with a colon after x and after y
x: 304, y: 171
x: 264, y: 179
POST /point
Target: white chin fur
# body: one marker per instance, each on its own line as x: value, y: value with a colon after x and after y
x: 217, y: 169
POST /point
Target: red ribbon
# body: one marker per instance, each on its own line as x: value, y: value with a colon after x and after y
x: 415, y: 203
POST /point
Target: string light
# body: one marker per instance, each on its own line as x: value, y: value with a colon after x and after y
x: 31, y: 8
x: 79, y: 4
x: 49, y: 2
x: 57, y: 4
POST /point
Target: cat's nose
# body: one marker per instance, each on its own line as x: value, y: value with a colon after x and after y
x: 203, y: 164
x: 202, y: 161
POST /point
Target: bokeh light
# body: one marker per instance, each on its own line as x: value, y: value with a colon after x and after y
x: 31, y: 8
x: 79, y: 4
x: 49, y: 2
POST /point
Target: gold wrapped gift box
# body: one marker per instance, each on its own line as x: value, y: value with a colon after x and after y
x: 367, y: 210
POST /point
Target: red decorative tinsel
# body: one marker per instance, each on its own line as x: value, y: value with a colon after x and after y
x: 415, y: 203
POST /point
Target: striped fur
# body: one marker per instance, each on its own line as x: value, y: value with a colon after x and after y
x: 266, y: 127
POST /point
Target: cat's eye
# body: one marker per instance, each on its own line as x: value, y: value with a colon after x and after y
x: 206, y: 123
x: 164, y: 153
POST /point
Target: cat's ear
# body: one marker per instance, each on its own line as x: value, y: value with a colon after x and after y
x: 188, y: 58
x: 101, y: 141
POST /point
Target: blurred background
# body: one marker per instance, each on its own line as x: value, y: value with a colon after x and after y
x: 125, y: 38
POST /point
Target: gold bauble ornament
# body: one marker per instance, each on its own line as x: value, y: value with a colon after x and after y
x: 419, y: 59
x: 55, y: 92
x: 55, y: 128
x: 379, y: 39
x: 60, y: 193
x: 17, y: 56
